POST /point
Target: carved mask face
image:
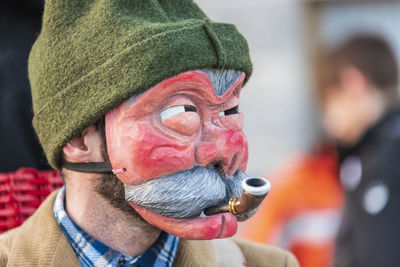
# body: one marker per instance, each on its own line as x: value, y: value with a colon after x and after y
x: 185, y: 121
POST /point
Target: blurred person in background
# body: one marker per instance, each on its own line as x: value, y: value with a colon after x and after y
x: 302, y: 212
x: 359, y: 100
x: 19, y: 25
x: 357, y: 88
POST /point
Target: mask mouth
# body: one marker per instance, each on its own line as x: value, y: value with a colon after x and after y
x: 255, y: 189
x: 201, y: 228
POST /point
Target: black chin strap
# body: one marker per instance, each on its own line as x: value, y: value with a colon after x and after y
x: 93, y: 167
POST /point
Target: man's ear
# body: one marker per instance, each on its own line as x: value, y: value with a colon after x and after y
x: 85, y: 147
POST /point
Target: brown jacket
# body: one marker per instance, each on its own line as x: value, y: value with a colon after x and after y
x: 41, y: 242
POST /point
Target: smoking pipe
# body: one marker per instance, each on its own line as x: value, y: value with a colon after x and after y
x: 255, y: 189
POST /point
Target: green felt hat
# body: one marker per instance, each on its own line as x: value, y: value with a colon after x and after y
x: 91, y: 55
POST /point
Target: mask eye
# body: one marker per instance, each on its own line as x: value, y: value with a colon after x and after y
x: 231, y: 111
x: 231, y: 118
x: 175, y: 110
x: 183, y: 119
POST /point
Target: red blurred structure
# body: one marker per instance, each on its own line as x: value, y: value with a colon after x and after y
x: 22, y: 192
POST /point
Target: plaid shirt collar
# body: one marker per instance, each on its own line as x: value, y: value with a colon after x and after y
x: 91, y: 252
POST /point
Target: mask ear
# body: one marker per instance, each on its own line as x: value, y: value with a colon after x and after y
x: 85, y: 147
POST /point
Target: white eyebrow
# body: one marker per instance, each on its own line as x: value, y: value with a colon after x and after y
x: 222, y: 79
x: 171, y: 111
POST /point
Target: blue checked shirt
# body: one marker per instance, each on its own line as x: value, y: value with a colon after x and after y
x: 91, y: 252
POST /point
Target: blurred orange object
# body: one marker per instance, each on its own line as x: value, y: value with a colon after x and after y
x: 302, y: 211
x: 22, y: 192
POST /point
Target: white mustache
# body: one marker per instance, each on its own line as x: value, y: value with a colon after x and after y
x: 187, y: 193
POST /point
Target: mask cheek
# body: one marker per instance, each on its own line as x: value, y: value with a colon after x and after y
x: 162, y: 160
x: 245, y: 156
x: 145, y: 154
x: 121, y: 148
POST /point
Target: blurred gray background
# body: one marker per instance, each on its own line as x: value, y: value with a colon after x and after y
x: 281, y: 117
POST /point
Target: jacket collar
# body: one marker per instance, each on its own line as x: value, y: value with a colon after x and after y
x: 41, y: 242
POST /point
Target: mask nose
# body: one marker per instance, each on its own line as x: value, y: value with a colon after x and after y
x: 222, y: 149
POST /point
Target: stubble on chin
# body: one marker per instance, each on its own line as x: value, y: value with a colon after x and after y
x: 109, y: 187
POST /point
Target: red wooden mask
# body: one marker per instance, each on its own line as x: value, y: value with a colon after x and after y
x: 180, y: 123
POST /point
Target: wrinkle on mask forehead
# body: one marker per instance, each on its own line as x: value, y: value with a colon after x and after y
x: 187, y: 193
x: 222, y: 80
